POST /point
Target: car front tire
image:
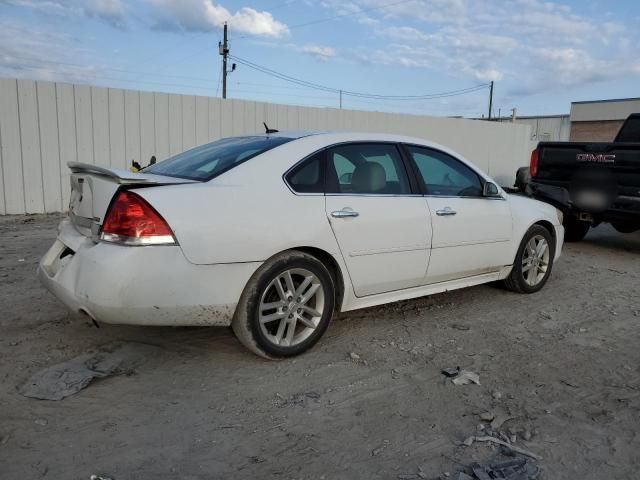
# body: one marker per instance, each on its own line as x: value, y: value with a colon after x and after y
x: 533, y: 263
x: 286, y: 306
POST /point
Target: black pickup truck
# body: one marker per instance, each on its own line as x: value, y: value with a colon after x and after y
x: 591, y: 182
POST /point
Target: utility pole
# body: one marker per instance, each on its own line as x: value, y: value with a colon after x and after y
x: 490, y: 98
x: 223, y: 49
x: 340, y: 99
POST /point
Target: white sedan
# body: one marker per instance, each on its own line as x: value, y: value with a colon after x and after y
x: 272, y: 234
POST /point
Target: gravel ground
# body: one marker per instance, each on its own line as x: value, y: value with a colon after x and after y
x: 564, y: 364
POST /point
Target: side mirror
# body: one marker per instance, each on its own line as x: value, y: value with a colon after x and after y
x: 490, y: 190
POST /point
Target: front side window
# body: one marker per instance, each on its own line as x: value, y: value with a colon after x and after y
x: 308, y: 177
x: 373, y: 168
x: 208, y: 161
x: 443, y: 175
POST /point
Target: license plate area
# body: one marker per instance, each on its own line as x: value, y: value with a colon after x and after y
x: 592, y: 200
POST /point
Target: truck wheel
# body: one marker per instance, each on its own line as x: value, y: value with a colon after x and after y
x: 625, y: 227
x: 286, y: 306
x: 522, y: 178
x: 574, y: 229
x: 533, y: 263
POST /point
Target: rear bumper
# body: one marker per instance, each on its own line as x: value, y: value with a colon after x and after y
x: 619, y: 208
x: 559, y: 197
x: 153, y: 285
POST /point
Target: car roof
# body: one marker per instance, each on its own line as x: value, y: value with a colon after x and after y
x: 335, y: 136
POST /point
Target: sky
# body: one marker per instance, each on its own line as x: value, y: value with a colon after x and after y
x: 541, y: 55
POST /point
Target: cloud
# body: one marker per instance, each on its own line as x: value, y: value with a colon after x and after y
x: 205, y: 16
x: 526, y: 43
x: 111, y: 11
x: 317, y: 51
x: 28, y: 52
x: 570, y: 67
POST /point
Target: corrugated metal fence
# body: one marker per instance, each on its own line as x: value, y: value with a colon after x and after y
x: 44, y: 125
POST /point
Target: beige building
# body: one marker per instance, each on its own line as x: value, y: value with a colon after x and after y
x: 600, y: 120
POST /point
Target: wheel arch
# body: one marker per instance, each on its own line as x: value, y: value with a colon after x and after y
x: 548, y: 225
x: 544, y: 223
x: 332, y: 265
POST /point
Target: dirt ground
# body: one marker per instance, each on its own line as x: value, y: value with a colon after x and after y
x: 563, y: 363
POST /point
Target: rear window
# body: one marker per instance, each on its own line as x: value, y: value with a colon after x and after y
x: 630, y: 131
x: 208, y: 161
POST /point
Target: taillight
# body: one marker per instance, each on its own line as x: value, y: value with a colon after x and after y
x: 533, y: 166
x: 132, y: 221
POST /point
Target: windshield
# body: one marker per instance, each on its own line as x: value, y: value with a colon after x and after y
x: 208, y: 161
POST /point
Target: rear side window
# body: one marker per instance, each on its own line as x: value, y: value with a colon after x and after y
x: 308, y: 177
x: 367, y: 168
x: 208, y: 161
x: 444, y: 175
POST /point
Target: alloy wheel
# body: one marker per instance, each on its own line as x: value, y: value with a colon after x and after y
x: 535, y: 260
x: 291, y: 307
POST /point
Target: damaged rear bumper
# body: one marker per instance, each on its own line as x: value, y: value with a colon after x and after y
x: 153, y: 285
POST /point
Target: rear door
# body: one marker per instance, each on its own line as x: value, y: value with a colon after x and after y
x: 471, y: 233
x: 382, y: 226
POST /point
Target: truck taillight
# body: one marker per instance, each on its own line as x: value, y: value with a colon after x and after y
x: 533, y: 166
x: 132, y: 221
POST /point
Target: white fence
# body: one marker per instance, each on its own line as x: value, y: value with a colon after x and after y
x: 44, y: 125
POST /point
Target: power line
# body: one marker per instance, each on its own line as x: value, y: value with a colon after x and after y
x: 326, y: 88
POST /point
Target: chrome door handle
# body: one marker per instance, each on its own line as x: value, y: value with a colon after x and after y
x: 446, y: 211
x: 344, y: 213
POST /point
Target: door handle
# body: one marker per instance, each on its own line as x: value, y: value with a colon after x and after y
x: 344, y: 213
x: 446, y: 211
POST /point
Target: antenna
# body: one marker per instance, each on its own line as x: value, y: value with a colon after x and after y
x: 269, y: 130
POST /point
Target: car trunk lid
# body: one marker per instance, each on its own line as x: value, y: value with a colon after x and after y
x: 93, y: 188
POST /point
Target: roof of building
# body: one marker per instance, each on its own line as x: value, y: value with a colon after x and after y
x: 608, y: 100
x: 604, y: 110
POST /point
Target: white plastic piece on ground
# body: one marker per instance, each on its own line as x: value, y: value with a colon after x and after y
x: 466, y: 377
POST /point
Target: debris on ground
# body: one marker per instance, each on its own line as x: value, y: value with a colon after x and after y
x: 100, y: 477
x: 499, y: 420
x: 460, y: 326
x: 470, y: 440
x: 487, y: 416
x: 378, y: 450
x: 466, y: 377
x: 299, y: 399
x: 354, y: 356
x: 67, y: 378
x: 450, y: 372
x: 516, y: 469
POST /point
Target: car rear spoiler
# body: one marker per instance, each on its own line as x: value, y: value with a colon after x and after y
x: 122, y: 176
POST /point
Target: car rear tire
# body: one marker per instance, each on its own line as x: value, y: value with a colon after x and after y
x: 574, y: 229
x: 533, y: 263
x: 286, y: 306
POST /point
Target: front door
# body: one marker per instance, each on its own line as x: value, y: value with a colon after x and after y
x: 382, y: 228
x: 471, y: 233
